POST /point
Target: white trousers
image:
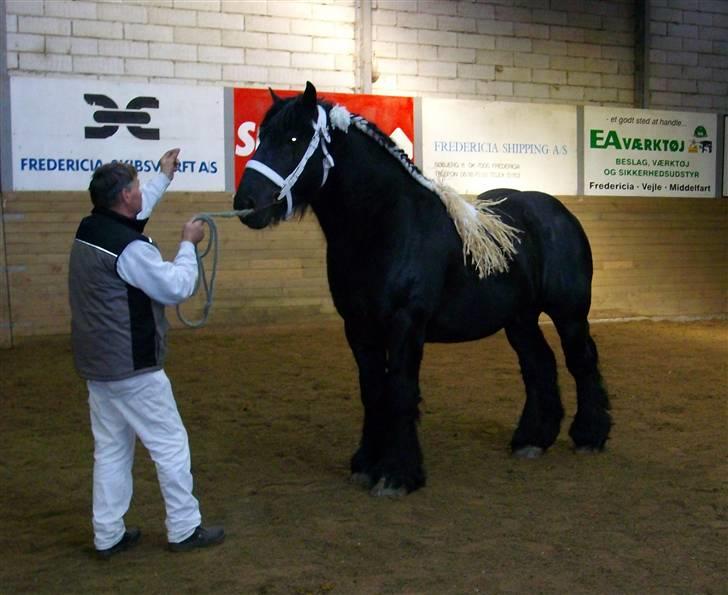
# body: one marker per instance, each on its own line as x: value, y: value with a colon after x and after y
x: 121, y: 410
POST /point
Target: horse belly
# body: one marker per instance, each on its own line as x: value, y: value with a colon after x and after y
x: 470, y: 314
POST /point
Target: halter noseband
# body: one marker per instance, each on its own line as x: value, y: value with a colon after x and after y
x: 320, y: 136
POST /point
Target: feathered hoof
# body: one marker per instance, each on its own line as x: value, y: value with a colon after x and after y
x: 382, y: 490
x: 528, y: 452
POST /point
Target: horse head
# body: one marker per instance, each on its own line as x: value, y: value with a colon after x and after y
x: 291, y: 162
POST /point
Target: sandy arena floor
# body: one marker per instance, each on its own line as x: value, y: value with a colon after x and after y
x: 273, y: 416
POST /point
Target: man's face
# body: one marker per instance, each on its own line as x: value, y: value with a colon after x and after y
x: 133, y: 197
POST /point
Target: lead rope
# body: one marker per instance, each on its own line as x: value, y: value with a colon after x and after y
x: 212, y: 244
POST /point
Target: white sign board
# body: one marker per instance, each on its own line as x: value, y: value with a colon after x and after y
x: 633, y: 152
x: 63, y: 129
x: 475, y: 146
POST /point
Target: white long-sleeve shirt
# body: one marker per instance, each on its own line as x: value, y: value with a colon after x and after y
x: 141, y: 264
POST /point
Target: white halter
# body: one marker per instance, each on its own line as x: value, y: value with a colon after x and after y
x: 320, y: 135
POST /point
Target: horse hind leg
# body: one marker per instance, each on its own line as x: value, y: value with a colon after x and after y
x: 592, y: 422
x: 542, y: 413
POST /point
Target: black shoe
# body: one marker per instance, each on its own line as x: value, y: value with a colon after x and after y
x: 202, y: 537
x: 128, y: 540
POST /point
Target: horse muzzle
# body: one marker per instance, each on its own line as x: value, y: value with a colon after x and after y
x: 256, y: 217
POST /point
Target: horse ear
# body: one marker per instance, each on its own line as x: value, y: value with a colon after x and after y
x: 273, y: 95
x: 309, y: 95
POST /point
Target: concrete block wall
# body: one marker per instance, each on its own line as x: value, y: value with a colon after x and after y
x: 572, y: 51
x: 579, y: 52
x: 689, y: 54
x: 219, y: 42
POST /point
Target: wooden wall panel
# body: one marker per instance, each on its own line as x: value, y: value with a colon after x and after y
x: 654, y: 257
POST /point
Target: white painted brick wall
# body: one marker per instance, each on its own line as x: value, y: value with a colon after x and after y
x: 198, y: 72
x: 197, y: 36
x: 532, y: 90
x: 244, y: 39
x: 24, y: 42
x: 293, y: 43
x: 95, y: 64
x: 313, y: 61
x: 37, y: 63
x: 232, y: 75
x: 173, y: 51
x: 415, y: 52
x: 690, y: 67
x: 220, y: 55
x: 123, y: 13
x: 456, y: 87
x: 72, y: 10
x: 267, y: 58
x: 44, y: 25
x: 213, y: 20
x: 150, y: 68
x: 530, y: 50
x: 447, y: 70
x: 24, y: 7
x: 176, y: 17
x: 98, y: 29
x: 148, y: 32
x: 268, y: 24
x: 130, y: 49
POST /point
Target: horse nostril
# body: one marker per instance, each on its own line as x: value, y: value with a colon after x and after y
x: 242, y: 202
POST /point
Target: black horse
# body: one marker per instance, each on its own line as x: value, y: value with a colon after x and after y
x: 405, y: 267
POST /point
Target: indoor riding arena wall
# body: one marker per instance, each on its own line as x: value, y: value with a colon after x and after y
x: 654, y: 257
x: 662, y: 258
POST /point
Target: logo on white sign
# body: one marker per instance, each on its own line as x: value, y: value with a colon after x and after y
x: 113, y: 116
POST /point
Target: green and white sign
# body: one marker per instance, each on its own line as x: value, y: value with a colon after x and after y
x: 633, y: 152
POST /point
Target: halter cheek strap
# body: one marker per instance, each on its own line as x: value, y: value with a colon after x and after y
x: 320, y: 136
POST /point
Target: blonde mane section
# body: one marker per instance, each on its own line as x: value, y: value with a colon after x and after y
x: 487, y: 240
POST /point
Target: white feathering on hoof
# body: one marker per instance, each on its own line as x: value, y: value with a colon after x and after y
x: 488, y: 241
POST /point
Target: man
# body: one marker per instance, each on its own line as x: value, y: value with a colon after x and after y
x: 118, y: 287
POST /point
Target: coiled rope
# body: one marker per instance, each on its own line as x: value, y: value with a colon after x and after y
x: 212, y: 245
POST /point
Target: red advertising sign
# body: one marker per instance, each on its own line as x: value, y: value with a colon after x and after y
x: 392, y: 115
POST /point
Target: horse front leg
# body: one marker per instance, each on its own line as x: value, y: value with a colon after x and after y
x: 400, y: 468
x: 371, y: 360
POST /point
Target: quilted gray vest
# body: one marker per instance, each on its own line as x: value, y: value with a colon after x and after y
x: 117, y: 331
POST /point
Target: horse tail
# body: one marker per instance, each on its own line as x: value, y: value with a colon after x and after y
x: 488, y: 241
